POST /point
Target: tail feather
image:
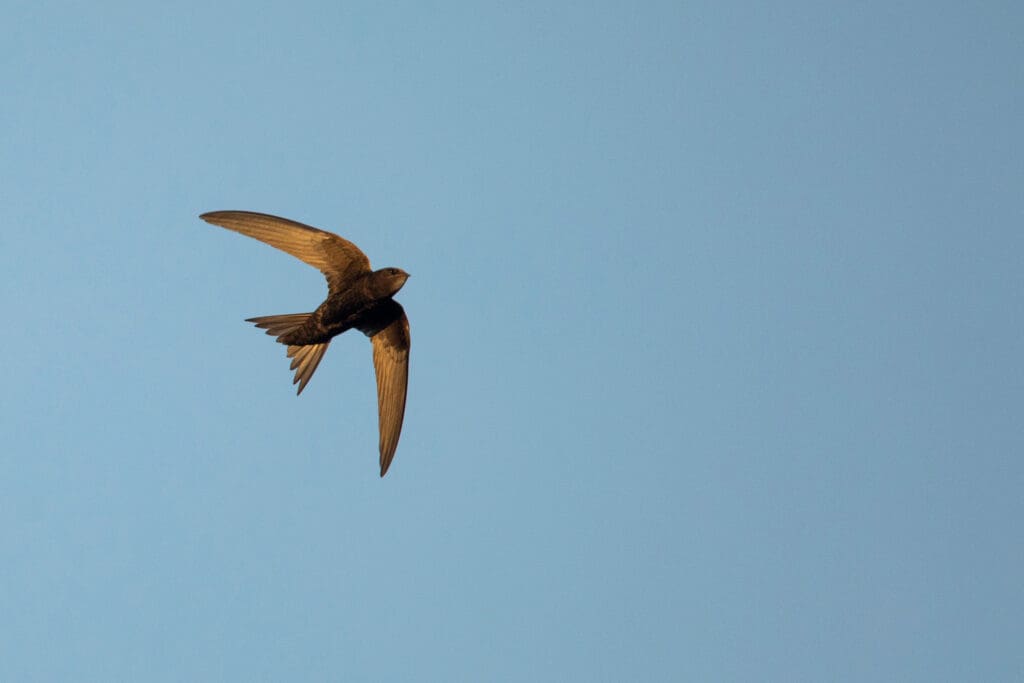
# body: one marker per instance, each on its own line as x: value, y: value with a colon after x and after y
x: 280, y: 324
x: 305, y: 358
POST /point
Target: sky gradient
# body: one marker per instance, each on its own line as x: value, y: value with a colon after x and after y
x: 716, y: 315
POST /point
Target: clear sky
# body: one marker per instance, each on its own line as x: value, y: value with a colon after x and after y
x: 717, y: 348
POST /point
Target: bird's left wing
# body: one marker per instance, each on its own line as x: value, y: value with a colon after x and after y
x: 391, y: 362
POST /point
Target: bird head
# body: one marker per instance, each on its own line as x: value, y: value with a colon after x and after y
x: 387, y: 281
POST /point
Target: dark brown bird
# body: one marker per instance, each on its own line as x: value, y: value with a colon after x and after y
x: 357, y: 297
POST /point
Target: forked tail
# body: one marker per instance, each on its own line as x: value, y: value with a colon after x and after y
x: 306, y: 358
x: 277, y: 325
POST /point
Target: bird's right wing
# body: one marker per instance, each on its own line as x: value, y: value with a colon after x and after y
x: 337, y: 258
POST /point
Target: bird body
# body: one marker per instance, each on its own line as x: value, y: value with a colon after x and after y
x: 356, y: 307
x: 358, y: 298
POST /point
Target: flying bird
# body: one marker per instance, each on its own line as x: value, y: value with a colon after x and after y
x: 357, y: 298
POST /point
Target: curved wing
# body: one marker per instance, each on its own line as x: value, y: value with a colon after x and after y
x: 338, y: 259
x: 391, y: 362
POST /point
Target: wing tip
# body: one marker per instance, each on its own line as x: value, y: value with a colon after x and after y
x: 214, y: 217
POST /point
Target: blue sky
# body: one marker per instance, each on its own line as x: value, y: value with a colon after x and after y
x: 716, y: 366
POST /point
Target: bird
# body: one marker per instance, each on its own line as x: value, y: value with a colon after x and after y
x: 357, y: 298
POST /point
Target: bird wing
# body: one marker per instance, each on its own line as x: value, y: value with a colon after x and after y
x: 391, y: 362
x: 338, y: 259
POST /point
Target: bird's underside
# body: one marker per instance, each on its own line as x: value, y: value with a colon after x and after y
x: 357, y: 298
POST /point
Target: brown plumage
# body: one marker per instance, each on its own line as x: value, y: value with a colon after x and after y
x: 357, y: 297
